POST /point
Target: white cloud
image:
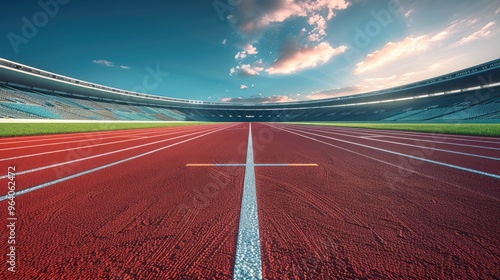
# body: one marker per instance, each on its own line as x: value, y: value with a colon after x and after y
x: 245, y: 70
x: 462, y: 41
x: 330, y: 5
x: 384, y: 79
x: 455, y: 34
x: 313, y: 37
x: 249, y: 49
x: 224, y: 42
x: 294, y: 60
x: 251, y: 70
x: 103, y: 62
x: 408, y: 74
x: 240, y: 55
x: 320, y: 26
x: 435, y: 66
x: 424, y: 44
x: 472, y: 21
x: 254, y: 17
x: 408, y: 14
x: 108, y: 63
x: 482, y: 33
x: 343, y: 91
x: 259, y: 99
x: 393, y: 51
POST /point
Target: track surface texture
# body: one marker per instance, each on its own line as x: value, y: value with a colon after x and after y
x: 378, y: 205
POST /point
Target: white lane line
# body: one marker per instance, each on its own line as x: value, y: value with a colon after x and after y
x: 440, y: 142
x: 390, y: 133
x: 397, y: 166
x: 67, y: 142
x: 98, y: 155
x: 405, y: 144
x: 248, y: 263
x: 51, y: 137
x: 82, y: 134
x: 496, y: 176
x: 70, y: 149
x: 371, y: 136
x: 92, y: 146
x: 44, y: 185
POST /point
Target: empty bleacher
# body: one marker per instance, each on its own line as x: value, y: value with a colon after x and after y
x: 35, y: 110
x: 20, y: 102
x: 474, y: 112
x: 36, y: 104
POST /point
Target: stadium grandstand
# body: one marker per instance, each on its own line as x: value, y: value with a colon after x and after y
x: 471, y: 94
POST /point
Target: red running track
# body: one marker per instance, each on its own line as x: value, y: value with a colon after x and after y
x: 380, y: 204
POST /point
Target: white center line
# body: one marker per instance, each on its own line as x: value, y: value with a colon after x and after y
x: 248, y: 263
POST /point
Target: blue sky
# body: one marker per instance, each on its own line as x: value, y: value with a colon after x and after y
x: 251, y: 50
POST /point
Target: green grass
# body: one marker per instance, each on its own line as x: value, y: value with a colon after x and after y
x: 23, y: 129
x: 480, y: 129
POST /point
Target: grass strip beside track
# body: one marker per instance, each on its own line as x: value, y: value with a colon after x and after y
x: 24, y: 129
x: 479, y: 129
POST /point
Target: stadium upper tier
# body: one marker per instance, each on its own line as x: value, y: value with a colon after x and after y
x: 478, y: 76
x: 472, y: 93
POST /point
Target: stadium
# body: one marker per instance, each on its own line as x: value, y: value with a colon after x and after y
x: 109, y: 173
x: 469, y: 94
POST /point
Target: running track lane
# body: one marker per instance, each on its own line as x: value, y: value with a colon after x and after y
x: 25, y: 149
x: 299, y: 262
x: 471, y: 160
x: 17, y: 141
x: 40, y: 169
x: 360, y: 215
x: 150, y: 217
x: 413, y: 155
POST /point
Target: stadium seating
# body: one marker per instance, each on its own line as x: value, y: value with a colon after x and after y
x: 18, y: 102
x: 35, y: 110
x: 36, y: 104
x: 474, y: 112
